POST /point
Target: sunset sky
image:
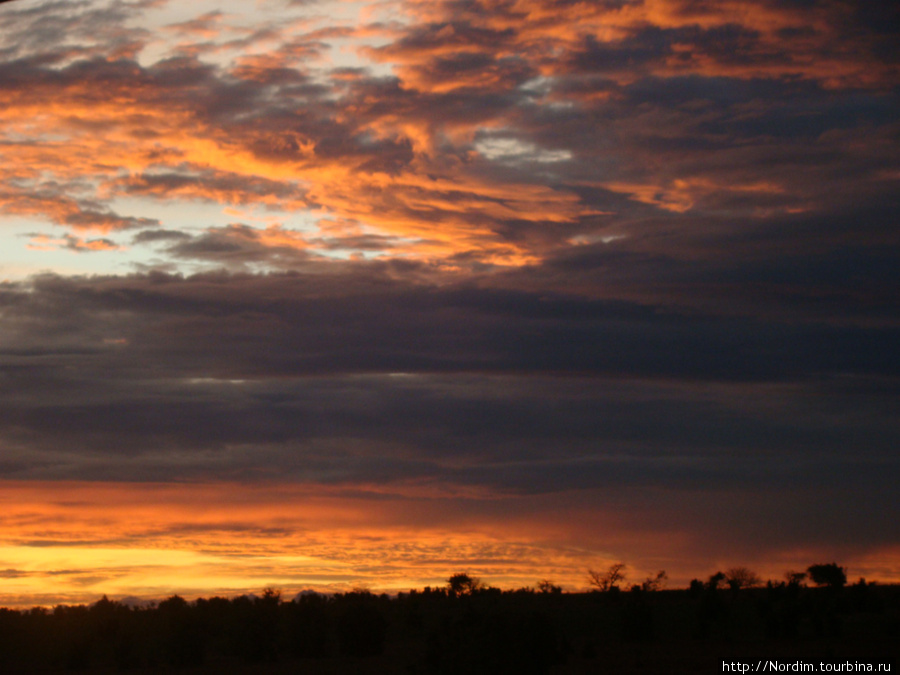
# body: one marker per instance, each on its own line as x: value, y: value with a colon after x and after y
x: 324, y: 294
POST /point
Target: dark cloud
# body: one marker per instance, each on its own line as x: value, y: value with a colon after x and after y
x: 212, y: 186
x: 317, y: 378
x: 365, y: 242
x: 82, y: 245
x: 237, y: 246
x: 11, y: 573
x: 367, y: 322
x: 82, y: 26
x: 438, y: 38
x: 647, y: 46
x: 151, y: 236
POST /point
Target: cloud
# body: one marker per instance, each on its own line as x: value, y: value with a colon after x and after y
x: 237, y: 245
x: 316, y: 376
x: 42, y: 242
x: 152, y: 236
x: 611, y: 272
x: 205, y: 25
x: 226, y: 188
x: 748, y: 124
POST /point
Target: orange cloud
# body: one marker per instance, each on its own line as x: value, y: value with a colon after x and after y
x: 791, y: 41
x: 41, y: 242
x: 681, y: 194
x: 409, y: 204
x: 269, y: 129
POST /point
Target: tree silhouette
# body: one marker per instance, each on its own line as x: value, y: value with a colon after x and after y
x: 830, y: 574
x: 714, y: 580
x: 606, y: 581
x: 655, y: 583
x: 741, y: 577
x: 547, y: 586
x: 794, y: 579
x: 463, y: 584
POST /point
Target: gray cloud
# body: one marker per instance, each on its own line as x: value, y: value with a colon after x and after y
x: 363, y: 379
x: 151, y: 236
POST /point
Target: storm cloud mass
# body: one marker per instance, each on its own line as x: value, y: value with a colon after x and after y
x: 598, y: 280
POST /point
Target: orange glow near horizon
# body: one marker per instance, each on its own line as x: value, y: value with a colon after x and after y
x: 72, y: 542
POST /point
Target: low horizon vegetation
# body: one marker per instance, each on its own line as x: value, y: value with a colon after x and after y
x: 468, y: 626
x: 613, y: 579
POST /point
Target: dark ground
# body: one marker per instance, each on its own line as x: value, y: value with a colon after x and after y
x: 488, y: 631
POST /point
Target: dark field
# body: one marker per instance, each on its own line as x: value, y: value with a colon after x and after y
x: 486, y: 631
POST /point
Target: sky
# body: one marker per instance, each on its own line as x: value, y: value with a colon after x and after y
x: 326, y: 294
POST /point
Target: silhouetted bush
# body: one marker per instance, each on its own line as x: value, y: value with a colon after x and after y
x: 831, y: 575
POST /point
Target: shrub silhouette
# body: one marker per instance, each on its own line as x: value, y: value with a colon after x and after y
x: 795, y: 579
x: 741, y: 577
x: 547, y: 586
x: 656, y: 583
x: 463, y: 584
x: 607, y: 581
x: 714, y: 580
x: 831, y: 575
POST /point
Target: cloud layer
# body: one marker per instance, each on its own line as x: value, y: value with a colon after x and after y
x: 627, y: 264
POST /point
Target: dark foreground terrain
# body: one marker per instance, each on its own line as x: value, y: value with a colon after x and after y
x: 484, y: 631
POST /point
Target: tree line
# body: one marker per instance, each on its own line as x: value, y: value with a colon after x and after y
x: 466, y: 626
x: 736, y: 578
